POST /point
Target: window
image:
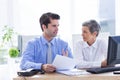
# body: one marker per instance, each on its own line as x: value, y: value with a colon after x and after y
x: 24, y: 15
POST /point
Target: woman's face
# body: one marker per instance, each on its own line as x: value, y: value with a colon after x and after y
x: 87, y: 35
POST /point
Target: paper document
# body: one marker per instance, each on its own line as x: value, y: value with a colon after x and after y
x: 63, y: 62
x: 65, y: 65
x: 74, y: 72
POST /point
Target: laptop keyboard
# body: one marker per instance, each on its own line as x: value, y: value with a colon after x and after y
x: 102, y: 70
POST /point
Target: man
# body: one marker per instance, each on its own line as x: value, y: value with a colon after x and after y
x: 36, y: 53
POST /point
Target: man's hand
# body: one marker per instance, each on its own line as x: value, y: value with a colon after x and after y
x: 64, y: 53
x: 48, y: 68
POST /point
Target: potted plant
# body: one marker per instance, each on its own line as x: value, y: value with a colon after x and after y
x: 7, y: 36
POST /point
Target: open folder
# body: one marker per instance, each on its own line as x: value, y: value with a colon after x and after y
x: 66, y: 65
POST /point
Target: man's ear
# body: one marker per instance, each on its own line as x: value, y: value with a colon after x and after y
x: 44, y: 27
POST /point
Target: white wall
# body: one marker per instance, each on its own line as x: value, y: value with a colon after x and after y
x: 3, y: 12
x: 117, y: 17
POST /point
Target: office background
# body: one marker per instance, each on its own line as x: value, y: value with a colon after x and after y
x: 24, y: 15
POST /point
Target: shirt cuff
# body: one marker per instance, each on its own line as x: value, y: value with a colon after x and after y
x: 97, y: 64
x: 37, y: 66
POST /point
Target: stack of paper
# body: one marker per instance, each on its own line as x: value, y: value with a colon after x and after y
x: 66, y: 65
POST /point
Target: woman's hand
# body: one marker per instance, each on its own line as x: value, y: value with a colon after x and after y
x: 104, y: 63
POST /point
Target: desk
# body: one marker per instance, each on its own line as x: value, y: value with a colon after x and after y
x: 56, y: 76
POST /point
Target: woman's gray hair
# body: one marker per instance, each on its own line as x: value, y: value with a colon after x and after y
x: 92, y: 25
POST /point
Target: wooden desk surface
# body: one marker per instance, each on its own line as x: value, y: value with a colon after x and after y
x: 56, y: 76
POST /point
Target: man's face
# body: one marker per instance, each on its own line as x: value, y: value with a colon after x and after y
x: 52, y: 29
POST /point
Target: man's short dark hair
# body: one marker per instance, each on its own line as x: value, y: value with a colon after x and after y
x: 45, y: 18
x: 92, y: 25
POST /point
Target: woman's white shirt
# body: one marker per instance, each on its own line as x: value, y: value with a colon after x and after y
x: 90, y: 56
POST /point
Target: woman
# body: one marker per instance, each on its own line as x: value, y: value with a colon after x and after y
x: 91, y: 52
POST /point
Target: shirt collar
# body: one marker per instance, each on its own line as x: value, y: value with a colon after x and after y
x: 44, y: 41
x: 93, y: 45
